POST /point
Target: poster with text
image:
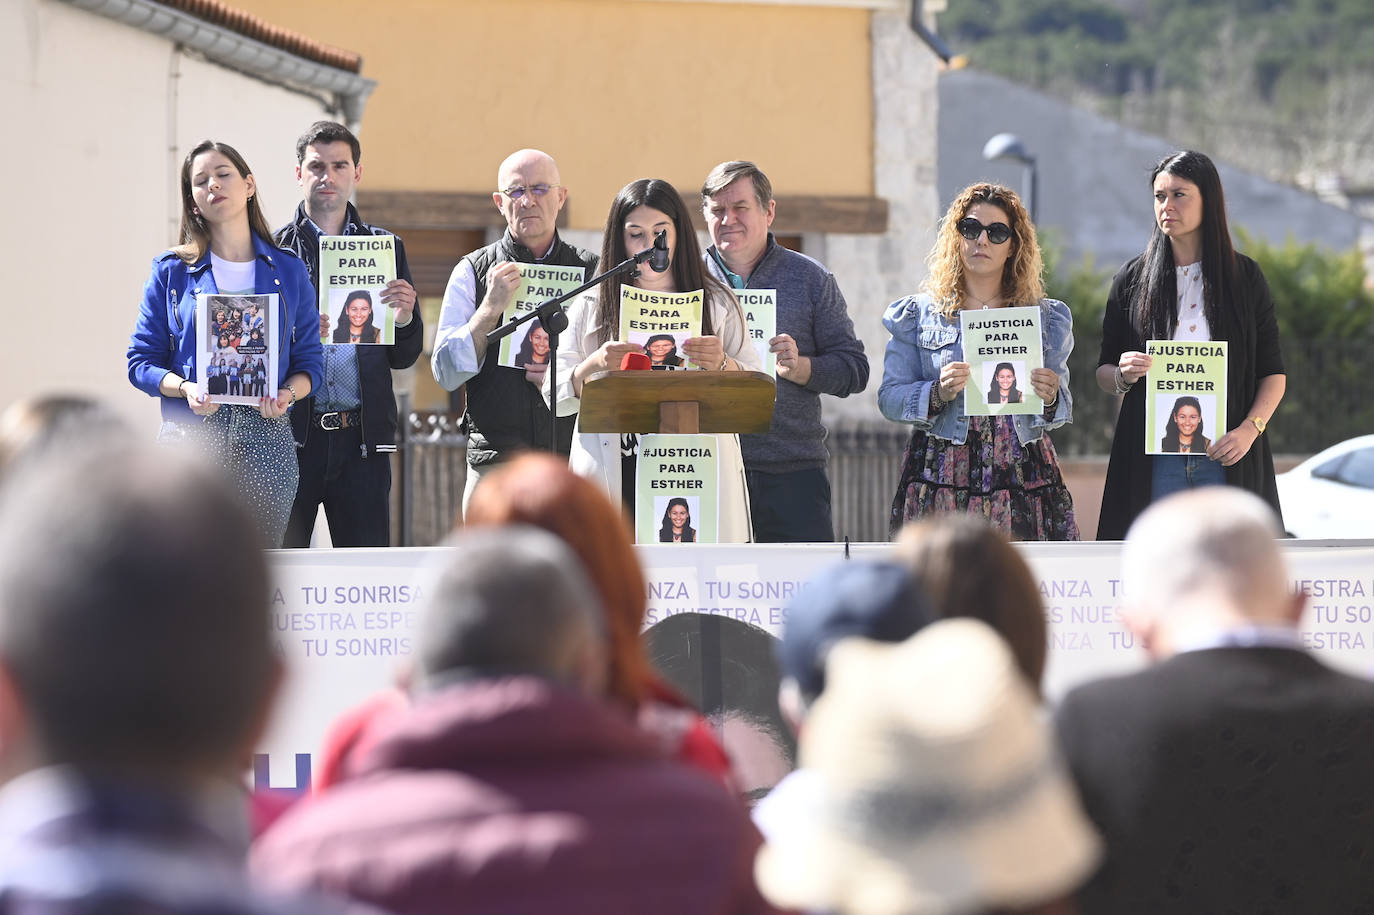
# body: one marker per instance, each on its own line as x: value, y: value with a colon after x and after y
x: 761, y: 313
x: 676, y: 486
x: 660, y: 322
x: 1001, y: 346
x: 1185, y: 396
x: 236, y: 355
x: 538, y: 283
x: 354, y: 272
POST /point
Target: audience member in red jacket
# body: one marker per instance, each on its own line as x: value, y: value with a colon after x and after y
x: 511, y: 784
x: 540, y: 490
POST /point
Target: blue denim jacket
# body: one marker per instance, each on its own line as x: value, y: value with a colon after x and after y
x: 924, y: 340
x: 164, y: 338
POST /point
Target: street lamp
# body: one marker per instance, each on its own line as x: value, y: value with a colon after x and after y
x: 1009, y: 146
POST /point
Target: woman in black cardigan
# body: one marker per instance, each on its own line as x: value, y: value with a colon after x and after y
x: 1190, y: 284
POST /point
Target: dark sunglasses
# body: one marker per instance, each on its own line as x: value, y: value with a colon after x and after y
x: 971, y: 228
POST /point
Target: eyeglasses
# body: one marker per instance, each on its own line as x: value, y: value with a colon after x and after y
x: 971, y: 228
x: 538, y: 190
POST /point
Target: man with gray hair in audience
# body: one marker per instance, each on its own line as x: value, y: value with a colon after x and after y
x: 1233, y: 775
x: 136, y: 674
x: 512, y: 785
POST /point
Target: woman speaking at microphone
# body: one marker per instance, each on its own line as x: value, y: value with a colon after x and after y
x: 595, y: 343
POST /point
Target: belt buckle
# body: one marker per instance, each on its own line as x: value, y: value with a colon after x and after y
x: 338, y: 421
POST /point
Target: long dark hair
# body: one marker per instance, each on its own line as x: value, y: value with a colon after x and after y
x: 1154, y: 307
x: 665, y: 532
x: 195, y: 231
x: 689, y: 273
x: 1171, y: 427
x: 995, y: 392
x: 344, y: 329
x: 525, y: 355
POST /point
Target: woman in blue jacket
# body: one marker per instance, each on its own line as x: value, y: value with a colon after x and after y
x: 226, y: 249
x: 1001, y: 467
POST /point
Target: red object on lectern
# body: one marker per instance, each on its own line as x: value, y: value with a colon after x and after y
x: 635, y: 362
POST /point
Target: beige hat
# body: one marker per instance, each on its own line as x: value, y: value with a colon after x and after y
x: 939, y: 787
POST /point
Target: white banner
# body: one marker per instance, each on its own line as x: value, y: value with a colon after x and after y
x: 344, y: 620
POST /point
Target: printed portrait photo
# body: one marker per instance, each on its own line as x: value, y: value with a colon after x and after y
x: 677, y: 513
x: 1185, y: 423
x: 530, y: 343
x: 356, y: 316
x: 1006, y: 382
x: 663, y: 350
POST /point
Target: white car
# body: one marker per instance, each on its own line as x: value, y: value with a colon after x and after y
x: 1331, y: 494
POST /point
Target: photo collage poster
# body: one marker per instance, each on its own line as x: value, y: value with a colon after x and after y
x: 236, y: 354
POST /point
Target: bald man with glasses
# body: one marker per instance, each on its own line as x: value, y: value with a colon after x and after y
x: 505, y: 410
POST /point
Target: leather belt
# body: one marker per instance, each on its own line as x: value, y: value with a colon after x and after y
x: 338, y: 419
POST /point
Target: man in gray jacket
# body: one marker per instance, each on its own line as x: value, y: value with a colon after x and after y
x: 817, y: 353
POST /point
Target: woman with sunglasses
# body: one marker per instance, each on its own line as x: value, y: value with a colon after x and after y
x: 1190, y: 284
x: 1003, y: 468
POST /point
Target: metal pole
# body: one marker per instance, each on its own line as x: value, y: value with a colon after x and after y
x: 403, y: 450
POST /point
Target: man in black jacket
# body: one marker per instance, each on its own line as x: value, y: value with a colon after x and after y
x: 1234, y: 774
x: 506, y: 412
x: 346, y: 431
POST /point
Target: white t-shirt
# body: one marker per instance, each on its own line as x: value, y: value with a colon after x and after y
x: 234, y: 277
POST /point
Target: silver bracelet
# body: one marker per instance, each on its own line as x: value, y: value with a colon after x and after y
x: 1120, y: 383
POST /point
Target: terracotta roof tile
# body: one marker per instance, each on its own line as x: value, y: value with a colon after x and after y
x: 250, y: 26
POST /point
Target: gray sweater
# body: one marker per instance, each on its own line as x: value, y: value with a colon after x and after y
x: 812, y: 310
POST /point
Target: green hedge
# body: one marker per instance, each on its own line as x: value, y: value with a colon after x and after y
x: 1326, y: 330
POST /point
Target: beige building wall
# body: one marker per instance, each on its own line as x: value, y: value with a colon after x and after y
x: 614, y: 89
x: 98, y: 116
x: 832, y: 99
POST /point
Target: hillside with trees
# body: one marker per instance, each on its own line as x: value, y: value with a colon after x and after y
x: 1283, y: 88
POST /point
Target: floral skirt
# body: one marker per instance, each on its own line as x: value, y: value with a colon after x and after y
x: 1016, y: 487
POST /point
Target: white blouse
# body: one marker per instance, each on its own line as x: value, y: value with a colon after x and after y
x: 1192, y: 315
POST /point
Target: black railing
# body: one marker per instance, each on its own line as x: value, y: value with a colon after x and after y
x: 1325, y: 403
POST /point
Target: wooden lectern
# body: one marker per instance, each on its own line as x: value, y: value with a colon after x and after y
x: 676, y: 402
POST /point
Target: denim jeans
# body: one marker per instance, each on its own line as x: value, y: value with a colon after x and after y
x: 1171, y: 473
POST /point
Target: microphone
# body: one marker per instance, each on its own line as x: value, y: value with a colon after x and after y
x: 635, y: 361
x: 658, y: 258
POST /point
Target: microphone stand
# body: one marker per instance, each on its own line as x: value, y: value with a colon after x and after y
x: 554, y: 321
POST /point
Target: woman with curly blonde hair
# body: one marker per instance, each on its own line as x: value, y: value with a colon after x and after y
x: 1001, y: 467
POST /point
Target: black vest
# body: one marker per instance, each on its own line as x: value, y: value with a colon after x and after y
x: 505, y: 413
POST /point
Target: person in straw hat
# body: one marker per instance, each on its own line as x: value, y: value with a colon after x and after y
x: 938, y: 788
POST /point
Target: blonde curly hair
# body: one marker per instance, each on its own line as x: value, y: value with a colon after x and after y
x: 1021, y: 275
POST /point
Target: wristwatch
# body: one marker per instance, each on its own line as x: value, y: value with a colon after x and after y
x: 1259, y: 423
